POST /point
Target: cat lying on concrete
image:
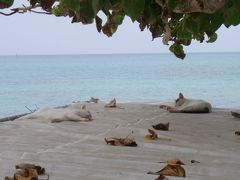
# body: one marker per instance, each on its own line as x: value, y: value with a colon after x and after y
x: 73, y: 112
x: 183, y: 105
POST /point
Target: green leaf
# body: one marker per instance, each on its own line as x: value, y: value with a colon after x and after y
x: 232, y: 16
x: 151, y: 13
x: 156, y: 31
x: 133, y: 8
x: 47, y: 4
x: 191, y: 26
x: 118, y: 18
x: 71, y: 4
x: 87, y: 10
x: 171, y: 4
x: 33, y: 2
x: 6, y: 3
x: 113, y: 21
x: 114, y: 2
x: 200, y: 37
x: 212, y: 38
x: 216, y: 21
x: 116, y: 5
x: 203, y: 22
x: 183, y: 34
x: 142, y: 26
x: 177, y: 49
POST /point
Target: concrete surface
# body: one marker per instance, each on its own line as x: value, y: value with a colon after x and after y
x: 77, y: 151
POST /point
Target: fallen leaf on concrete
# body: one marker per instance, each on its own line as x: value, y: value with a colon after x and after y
x: 162, y: 177
x: 237, y: 133
x: 121, y: 141
x: 8, y: 178
x: 174, y: 161
x: 111, y: 104
x: 40, y: 170
x: 26, y: 174
x: 152, y: 136
x: 235, y: 114
x: 27, y: 171
x: 161, y: 126
x: 171, y: 170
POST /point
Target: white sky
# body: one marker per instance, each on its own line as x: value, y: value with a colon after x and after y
x: 43, y: 34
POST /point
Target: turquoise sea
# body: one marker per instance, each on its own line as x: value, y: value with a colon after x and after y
x: 57, y: 80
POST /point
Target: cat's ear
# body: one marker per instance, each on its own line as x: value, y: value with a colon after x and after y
x: 181, y: 96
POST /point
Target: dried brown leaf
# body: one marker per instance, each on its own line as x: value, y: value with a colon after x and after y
x: 171, y: 170
x: 8, y: 178
x: 152, y: 136
x: 235, y: 114
x: 25, y: 171
x: 121, y: 141
x: 22, y: 172
x: 40, y: 170
x: 237, y: 133
x: 161, y: 126
x: 31, y: 175
x: 175, y: 161
x: 162, y: 177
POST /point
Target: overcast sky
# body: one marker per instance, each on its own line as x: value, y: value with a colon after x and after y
x: 43, y: 34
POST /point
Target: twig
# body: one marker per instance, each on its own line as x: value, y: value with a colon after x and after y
x: 29, y: 109
x: 36, y: 107
x: 48, y: 13
x: 129, y: 134
x: 8, y: 14
x: 25, y: 9
x: 11, y: 118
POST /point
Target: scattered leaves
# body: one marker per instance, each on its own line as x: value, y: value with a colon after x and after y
x: 171, y: 170
x: 121, y: 141
x: 152, y: 136
x: 161, y: 126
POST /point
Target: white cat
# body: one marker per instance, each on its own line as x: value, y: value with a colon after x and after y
x: 74, y: 112
x: 183, y: 105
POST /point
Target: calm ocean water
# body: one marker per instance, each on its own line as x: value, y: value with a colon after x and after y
x: 58, y: 80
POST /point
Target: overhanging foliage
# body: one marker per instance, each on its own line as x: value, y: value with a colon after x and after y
x: 178, y: 22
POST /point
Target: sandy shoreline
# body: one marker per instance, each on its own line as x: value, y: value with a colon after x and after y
x: 76, y: 150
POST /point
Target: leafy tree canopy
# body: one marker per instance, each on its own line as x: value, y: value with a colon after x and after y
x: 178, y: 22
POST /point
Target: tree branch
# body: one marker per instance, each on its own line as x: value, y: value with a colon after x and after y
x: 8, y: 14
x: 25, y: 9
x: 189, y: 6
